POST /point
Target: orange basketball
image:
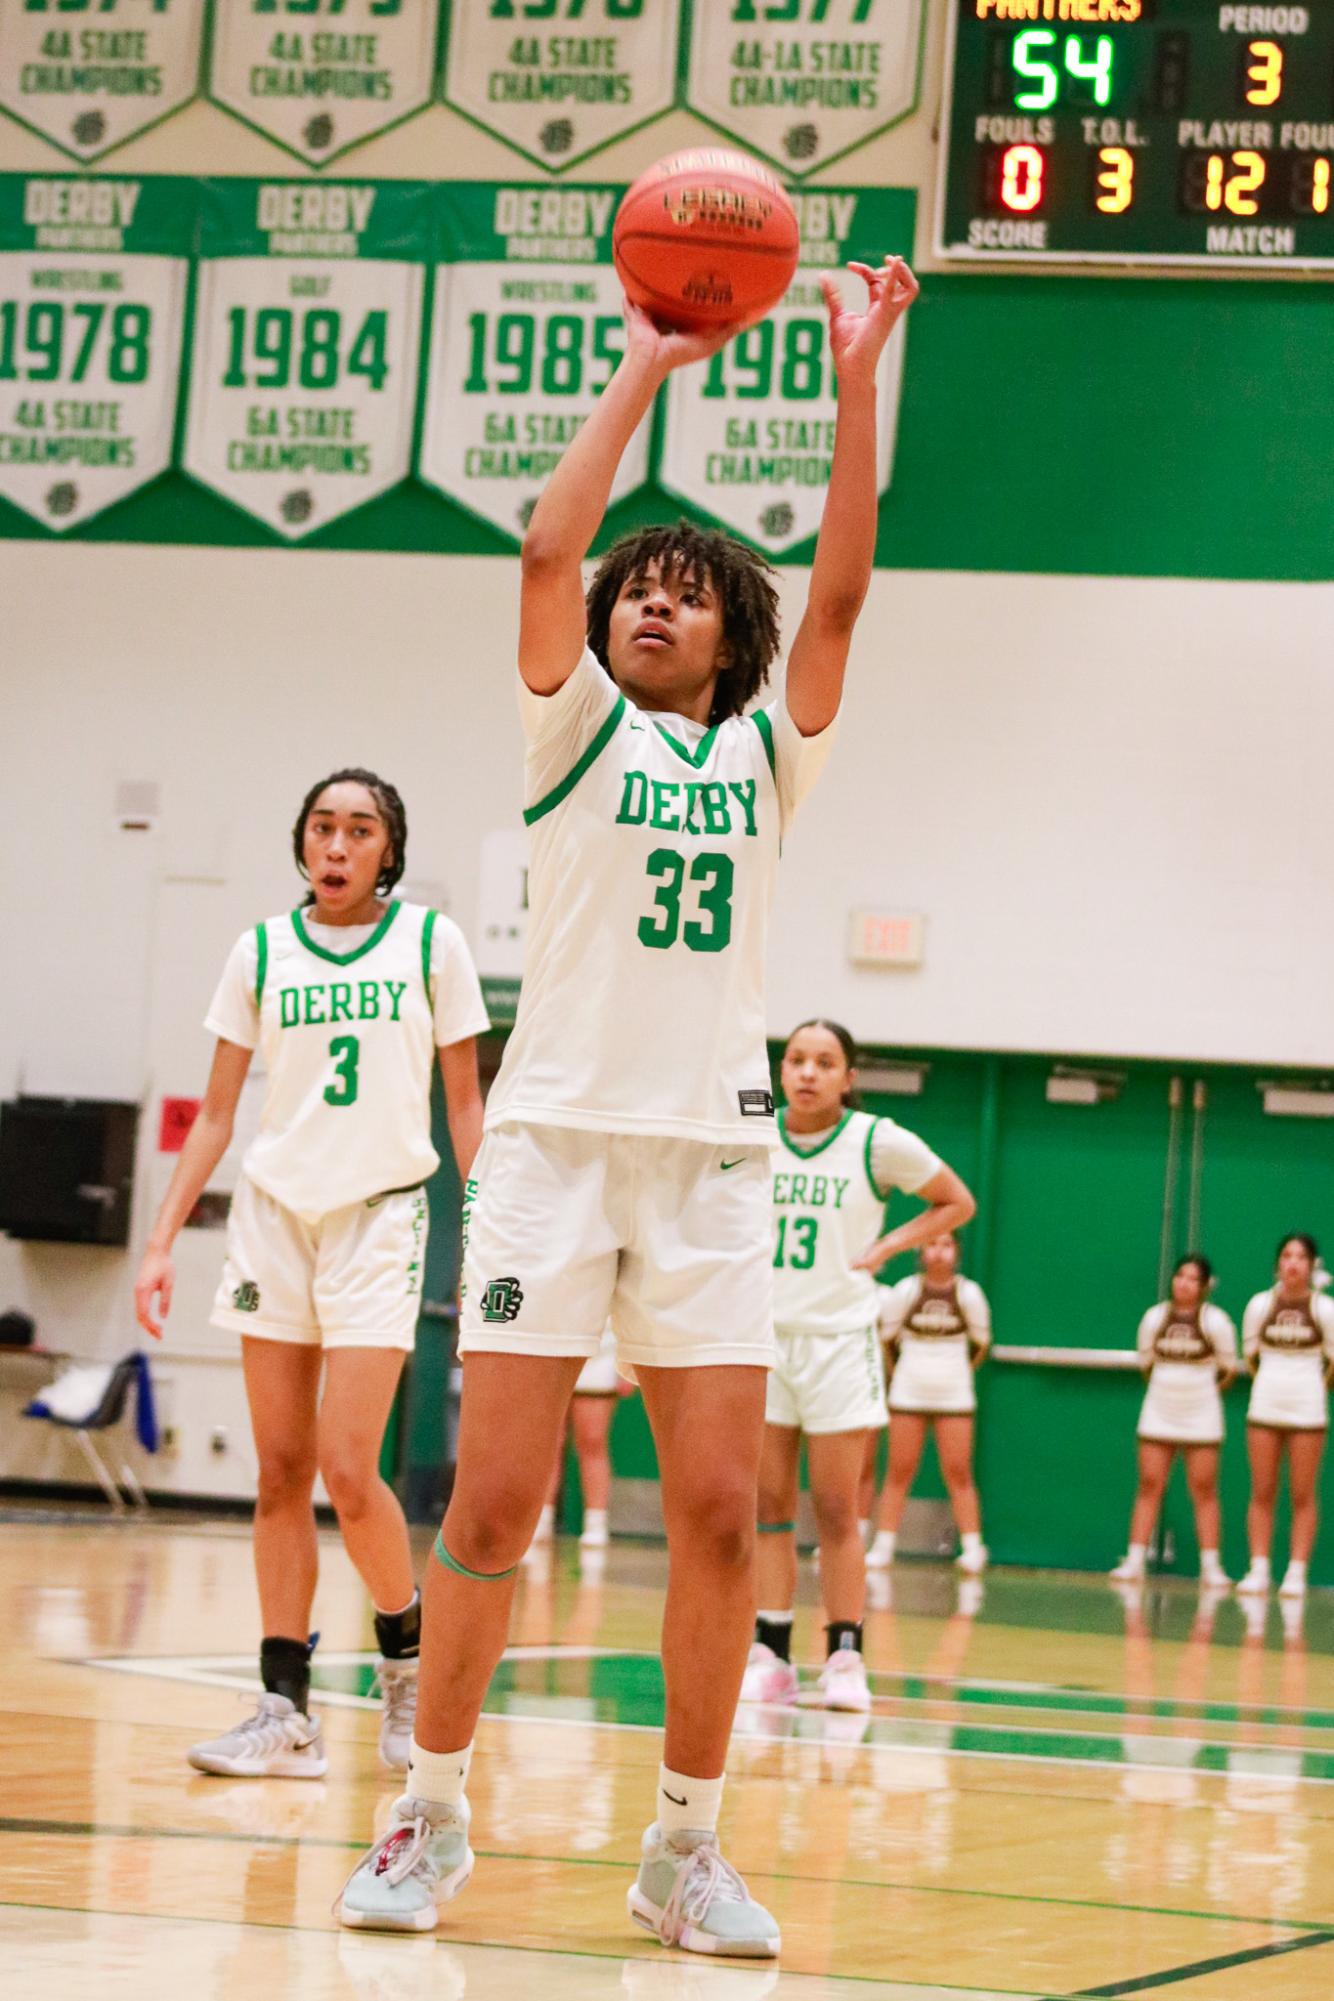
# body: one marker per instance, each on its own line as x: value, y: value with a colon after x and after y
x: 705, y: 238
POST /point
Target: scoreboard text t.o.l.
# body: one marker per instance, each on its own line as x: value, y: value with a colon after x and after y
x: 1169, y: 132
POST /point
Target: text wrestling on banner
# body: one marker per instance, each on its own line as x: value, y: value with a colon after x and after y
x: 804, y: 82
x: 749, y: 438
x: 93, y: 283
x: 526, y: 334
x: 307, y: 344
x: 90, y: 74
x: 561, y: 79
x: 321, y: 86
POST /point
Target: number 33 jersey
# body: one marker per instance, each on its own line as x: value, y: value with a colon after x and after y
x: 654, y: 850
x: 347, y: 1031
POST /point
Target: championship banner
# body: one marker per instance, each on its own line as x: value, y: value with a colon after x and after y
x: 94, y: 276
x: 525, y: 336
x: 749, y: 437
x: 803, y: 82
x: 559, y: 80
x: 307, y: 344
x: 320, y: 76
x: 90, y: 74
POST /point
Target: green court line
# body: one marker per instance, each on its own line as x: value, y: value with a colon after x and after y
x: 89, y: 1830
x: 1200, y: 1967
x: 919, y: 1688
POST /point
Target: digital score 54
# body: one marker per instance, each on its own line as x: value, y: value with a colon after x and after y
x: 1158, y: 132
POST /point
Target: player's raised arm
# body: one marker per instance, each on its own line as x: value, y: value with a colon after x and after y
x: 569, y: 512
x: 845, y: 550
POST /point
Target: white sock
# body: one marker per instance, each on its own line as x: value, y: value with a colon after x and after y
x: 1259, y: 1566
x: 972, y: 1542
x: 684, y: 1802
x: 438, y: 1777
x: 884, y: 1541
x: 1296, y: 1567
x: 594, y: 1518
x: 1138, y: 1552
x: 1209, y: 1560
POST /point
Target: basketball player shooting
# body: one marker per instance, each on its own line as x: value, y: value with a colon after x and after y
x: 625, y: 1171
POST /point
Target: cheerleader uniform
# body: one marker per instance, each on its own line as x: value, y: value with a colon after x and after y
x: 933, y: 1331
x: 1294, y: 1346
x: 1184, y: 1352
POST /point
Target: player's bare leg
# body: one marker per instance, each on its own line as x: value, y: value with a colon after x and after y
x: 770, y: 1676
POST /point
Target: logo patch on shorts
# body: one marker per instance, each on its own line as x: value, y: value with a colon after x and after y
x: 246, y: 1297
x: 756, y: 1104
x: 502, y: 1299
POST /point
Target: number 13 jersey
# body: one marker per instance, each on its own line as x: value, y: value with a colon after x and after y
x: 654, y: 850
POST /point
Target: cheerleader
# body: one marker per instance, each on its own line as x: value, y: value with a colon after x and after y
x: 833, y: 1171
x: 1287, y: 1338
x: 937, y: 1329
x: 1188, y: 1351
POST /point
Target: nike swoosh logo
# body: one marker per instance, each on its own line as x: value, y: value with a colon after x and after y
x: 672, y: 1797
x: 725, y: 1164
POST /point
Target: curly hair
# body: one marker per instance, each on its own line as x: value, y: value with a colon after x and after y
x: 392, y: 811
x: 741, y: 578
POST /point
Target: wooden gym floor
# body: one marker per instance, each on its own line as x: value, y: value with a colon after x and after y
x: 1058, y: 1794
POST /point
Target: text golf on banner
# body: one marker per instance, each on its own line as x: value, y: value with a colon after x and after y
x: 93, y: 282
x: 526, y: 334
x: 560, y: 79
x: 320, y: 76
x: 749, y: 437
x: 90, y: 74
x: 307, y: 345
x: 804, y: 81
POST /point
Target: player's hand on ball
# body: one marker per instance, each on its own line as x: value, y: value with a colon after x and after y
x: 858, y: 339
x: 157, y: 1276
x: 674, y: 347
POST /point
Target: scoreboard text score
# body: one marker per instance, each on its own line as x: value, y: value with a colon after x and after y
x: 1159, y: 132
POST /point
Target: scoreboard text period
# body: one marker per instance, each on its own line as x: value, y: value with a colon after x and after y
x: 1170, y: 132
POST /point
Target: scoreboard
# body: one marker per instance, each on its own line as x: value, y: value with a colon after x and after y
x: 1149, y: 132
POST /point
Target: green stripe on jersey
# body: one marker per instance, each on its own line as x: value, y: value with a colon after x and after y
x: 428, y: 927
x: 572, y: 777
x: 809, y: 1152
x: 345, y: 958
x: 876, y: 1190
x: 694, y: 758
x: 760, y: 718
x: 262, y: 961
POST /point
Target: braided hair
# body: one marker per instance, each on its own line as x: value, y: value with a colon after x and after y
x: 392, y: 811
x: 740, y: 577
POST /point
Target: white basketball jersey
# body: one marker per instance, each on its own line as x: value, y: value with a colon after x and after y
x: 652, y: 871
x: 348, y: 1042
x: 827, y: 1211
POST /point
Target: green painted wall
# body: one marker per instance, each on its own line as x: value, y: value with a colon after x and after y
x: 1119, y: 427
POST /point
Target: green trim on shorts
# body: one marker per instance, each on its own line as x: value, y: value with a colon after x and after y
x: 774, y: 1528
x: 442, y: 1555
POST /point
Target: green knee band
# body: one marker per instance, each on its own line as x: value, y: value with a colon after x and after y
x: 442, y: 1555
x: 774, y: 1528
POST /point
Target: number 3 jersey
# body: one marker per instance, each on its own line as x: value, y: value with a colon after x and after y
x: 347, y: 1020
x: 654, y: 849
x: 830, y: 1191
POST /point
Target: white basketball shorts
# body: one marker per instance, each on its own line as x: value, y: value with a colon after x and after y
x: 351, y: 1280
x: 670, y: 1239
x: 828, y: 1382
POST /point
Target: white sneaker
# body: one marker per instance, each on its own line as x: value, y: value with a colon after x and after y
x: 1294, y: 1584
x: 687, y: 1895
x: 595, y: 1535
x: 277, y: 1742
x: 767, y: 1678
x: 1215, y: 1580
x: 843, y: 1681
x: 881, y: 1553
x: 1255, y: 1584
x: 398, y: 1691
x: 419, y: 1863
x: 972, y: 1562
x: 1130, y: 1570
